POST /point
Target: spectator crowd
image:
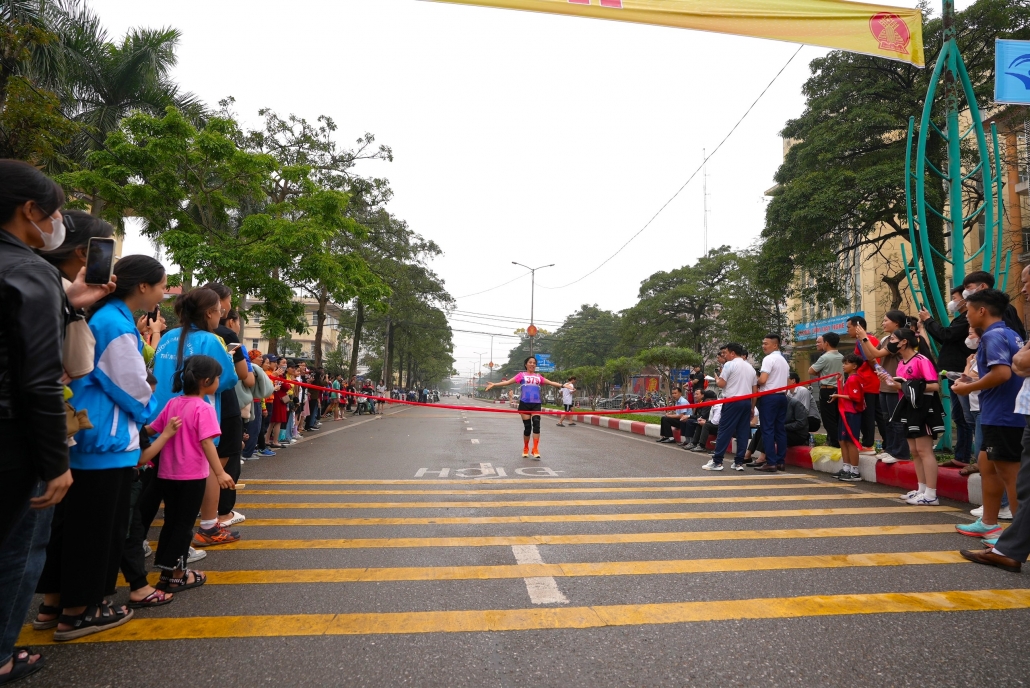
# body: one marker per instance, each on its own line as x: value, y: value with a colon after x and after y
x: 107, y: 415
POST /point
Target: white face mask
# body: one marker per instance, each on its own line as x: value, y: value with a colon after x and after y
x: 972, y: 342
x: 953, y: 307
x: 55, y: 238
x: 967, y: 292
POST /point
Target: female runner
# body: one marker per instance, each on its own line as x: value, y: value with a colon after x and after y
x: 529, y: 401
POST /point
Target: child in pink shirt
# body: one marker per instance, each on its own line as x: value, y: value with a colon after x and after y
x: 187, y: 459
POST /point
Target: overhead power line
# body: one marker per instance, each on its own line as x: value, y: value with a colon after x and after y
x: 492, y: 288
x: 689, y: 179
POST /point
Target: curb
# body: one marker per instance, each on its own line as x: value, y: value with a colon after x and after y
x: 950, y: 485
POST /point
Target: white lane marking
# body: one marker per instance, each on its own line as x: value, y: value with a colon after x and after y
x: 470, y: 429
x: 475, y: 441
x: 541, y: 590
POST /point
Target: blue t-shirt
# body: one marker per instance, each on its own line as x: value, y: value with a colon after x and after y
x: 998, y: 405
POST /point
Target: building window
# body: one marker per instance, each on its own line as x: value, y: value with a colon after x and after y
x: 254, y: 344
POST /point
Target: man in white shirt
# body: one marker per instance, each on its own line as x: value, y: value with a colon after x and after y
x: 681, y: 419
x: 773, y: 407
x: 567, y: 391
x: 737, y: 379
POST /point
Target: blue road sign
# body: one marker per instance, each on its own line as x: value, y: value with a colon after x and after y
x: 544, y: 364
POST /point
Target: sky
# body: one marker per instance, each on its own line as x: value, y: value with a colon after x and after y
x: 516, y: 136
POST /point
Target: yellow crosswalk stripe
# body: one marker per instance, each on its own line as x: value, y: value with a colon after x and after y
x: 593, y: 539
x: 465, y: 621
x: 559, y: 490
x: 590, y: 518
x: 559, y: 502
x: 509, y: 481
x: 573, y: 570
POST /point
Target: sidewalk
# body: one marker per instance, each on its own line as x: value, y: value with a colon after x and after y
x: 950, y: 484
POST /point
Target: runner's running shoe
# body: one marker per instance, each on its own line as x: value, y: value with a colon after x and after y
x: 214, y: 536
x: 525, y: 453
x: 536, y: 456
x: 979, y: 529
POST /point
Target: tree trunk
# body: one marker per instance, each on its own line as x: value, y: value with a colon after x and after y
x: 359, y: 321
x: 388, y: 372
x: 323, y: 301
x: 408, y: 376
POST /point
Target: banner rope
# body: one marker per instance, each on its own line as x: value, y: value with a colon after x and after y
x: 553, y: 412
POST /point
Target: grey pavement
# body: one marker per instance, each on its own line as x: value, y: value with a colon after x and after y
x: 955, y: 648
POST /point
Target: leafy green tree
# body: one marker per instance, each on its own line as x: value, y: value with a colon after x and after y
x: 756, y: 306
x: 840, y: 190
x: 667, y: 358
x: 587, y: 337
x: 624, y: 367
x: 682, y: 307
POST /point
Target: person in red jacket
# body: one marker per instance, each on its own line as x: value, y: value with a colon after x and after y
x: 851, y: 400
x: 870, y: 382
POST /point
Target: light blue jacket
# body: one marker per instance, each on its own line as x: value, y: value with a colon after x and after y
x: 116, y: 394
x: 197, y: 342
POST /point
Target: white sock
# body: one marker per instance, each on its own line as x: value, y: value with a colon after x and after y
x: 208, y: 525
x: 921, y: 488
x: 930, y: 493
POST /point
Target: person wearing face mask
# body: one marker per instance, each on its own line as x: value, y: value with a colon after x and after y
x: 951, y: 356
x: 34, y: 469
x: 895, y: 446
x: 976, y: 281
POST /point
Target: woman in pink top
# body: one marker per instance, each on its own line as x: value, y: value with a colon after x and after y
x: 529, y: 401
x: 186, y: 460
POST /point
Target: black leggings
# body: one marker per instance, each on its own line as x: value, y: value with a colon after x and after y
x: 87, y: 537
x: 133, y: 563
x: 182, y: 500
x: 226, y: 497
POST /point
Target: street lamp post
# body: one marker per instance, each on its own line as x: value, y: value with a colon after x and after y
x: 532, y: 296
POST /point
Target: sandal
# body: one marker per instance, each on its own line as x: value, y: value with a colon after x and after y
x: 22, y: 667
x: 182, y: 582
x: 969, y: 470
x: 41, y: 625
x: 154, y: 599
x: 96, y: 618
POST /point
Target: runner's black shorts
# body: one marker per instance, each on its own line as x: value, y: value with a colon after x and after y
x: 1003, y: 443
x: 523, y: 406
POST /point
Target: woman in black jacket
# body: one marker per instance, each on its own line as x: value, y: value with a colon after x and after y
x: 34, y: 473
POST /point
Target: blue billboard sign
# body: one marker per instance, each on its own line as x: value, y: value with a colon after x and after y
x: 544, y: 364
x: 811, y: 330
x: 1012, y: 72
x: 680, y: 375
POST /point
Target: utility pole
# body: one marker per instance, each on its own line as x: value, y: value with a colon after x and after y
x: 532, y: 298
x: 704, y: 195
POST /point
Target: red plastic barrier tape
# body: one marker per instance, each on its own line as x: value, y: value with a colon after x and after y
x: 550, y: 412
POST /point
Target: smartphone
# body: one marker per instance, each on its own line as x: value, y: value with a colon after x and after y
x: 152, y: 317
x: 232, y: 347
x: 99, y: 260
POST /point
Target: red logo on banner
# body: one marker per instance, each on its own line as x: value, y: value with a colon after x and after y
x: 890, y: 31
x: 614, y: 4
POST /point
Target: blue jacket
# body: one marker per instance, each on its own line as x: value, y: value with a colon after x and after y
x: 197, y: 342
x: 116, y: 394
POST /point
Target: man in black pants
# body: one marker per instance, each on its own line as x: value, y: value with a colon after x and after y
x: 830, y: 362
x: 681, y: 419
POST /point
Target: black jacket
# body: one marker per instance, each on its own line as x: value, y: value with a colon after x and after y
x: 1011, y: 318
x: 953, y: 352
x: 797, y: 423
x: 33, y: 315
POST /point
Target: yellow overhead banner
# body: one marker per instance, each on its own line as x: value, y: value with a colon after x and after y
x: 892, y: 32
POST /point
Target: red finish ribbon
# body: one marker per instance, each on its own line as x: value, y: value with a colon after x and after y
x: 549, y: 412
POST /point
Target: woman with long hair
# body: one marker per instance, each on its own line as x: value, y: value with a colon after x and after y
x: 89, y: 526
x: 199, y: 312
x: 530, y: 401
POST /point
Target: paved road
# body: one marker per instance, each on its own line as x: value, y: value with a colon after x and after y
x: 373, y: 555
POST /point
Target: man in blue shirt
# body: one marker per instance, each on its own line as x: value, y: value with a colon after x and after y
x: 681, y: 419
x: 998, y: 387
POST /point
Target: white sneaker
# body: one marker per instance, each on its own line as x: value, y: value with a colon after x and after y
x: 909, y: 495
x: 237, y: 517
x: 740, y: 467
x: 1005, y: 514
x: 886, y: 458
x: 712, y: 466
x: 922, y: 500
x: 195, y: 555
x: 978, y: 512
x: 147, y: 551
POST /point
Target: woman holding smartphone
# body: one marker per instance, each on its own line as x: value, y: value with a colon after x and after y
x: 89, y: 526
